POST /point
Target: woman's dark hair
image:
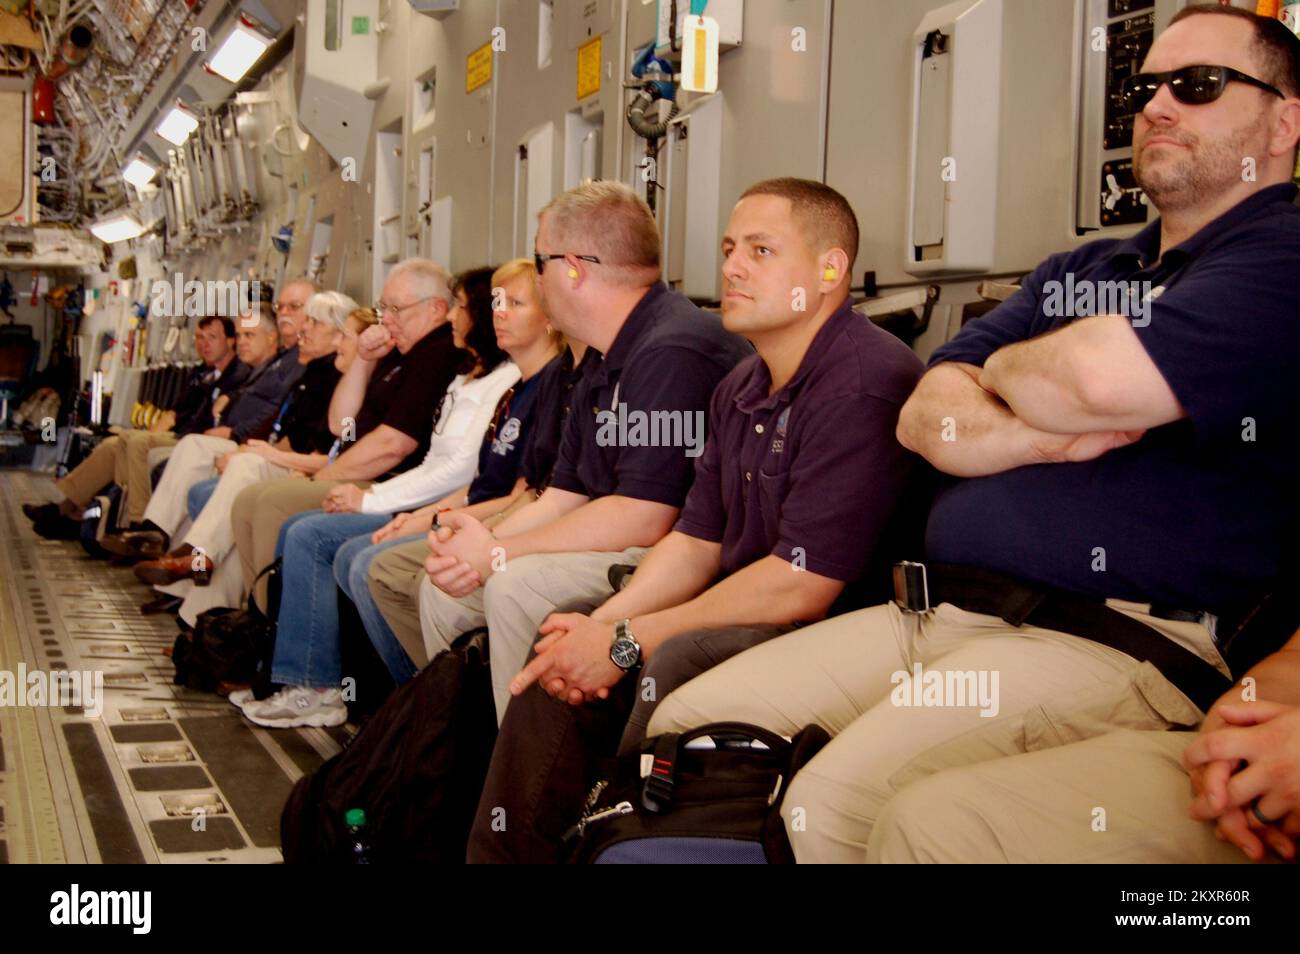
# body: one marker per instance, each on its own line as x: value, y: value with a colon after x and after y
x: 481, y: 340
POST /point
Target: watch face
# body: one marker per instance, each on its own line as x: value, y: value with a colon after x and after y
x: 624, y: 652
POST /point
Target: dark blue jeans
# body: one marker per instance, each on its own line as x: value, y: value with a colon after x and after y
x: 351, y: 568
x: 307, y: 649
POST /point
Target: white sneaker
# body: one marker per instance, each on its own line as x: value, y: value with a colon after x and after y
x: 240, y: 698
x: 296, y: 706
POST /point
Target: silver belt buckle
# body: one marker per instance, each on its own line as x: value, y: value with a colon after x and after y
x: 911, y: 587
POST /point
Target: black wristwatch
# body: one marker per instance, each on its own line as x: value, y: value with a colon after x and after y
x: 624, y: 651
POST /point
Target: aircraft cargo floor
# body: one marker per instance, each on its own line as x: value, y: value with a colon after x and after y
x: 122, y: 787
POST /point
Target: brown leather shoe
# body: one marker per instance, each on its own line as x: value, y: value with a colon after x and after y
x: 141, y: 544
x: 168, y: 569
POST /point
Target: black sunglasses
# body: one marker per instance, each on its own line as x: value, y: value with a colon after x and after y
x: 540, y: 260
x: 1192, y: 85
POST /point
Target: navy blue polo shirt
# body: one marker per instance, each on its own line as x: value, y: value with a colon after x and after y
x: 500, y: 457
x: 665, y: 361
x: 1199, y: 513
x: 812, y: 472
x: 554, y: 400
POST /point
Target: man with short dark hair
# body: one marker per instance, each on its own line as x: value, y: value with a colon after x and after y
x: 221, y: 372
x: 612, y: 494
x: 791, y: 501
x: 1126, y: 494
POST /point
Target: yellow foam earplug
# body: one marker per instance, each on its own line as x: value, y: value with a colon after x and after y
x: 830, y: 275
x: 573, y: 273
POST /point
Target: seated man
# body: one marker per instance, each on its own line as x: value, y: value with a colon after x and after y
x: 610, y: 498
x: 1230, y: 793
x: 248, y: 414
x: 221, y: 372
x: 792, y: 497
x: 300, y: 437
x: 381, y: 408
x: 1096, y: 551
x: 308, y: 651
x: 143, y: 460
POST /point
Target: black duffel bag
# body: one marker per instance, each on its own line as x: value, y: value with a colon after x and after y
x: 416, y: 768
x: 225, y: 646
x: 708, y: 796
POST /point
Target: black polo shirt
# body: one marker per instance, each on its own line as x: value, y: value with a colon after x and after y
x: 812, y: 472
x: 303, y: 420
x: 554, y: 400
x: 1199, y: 513
x: 667, y: 358
x: 405, y: 390
x: 226, y: 381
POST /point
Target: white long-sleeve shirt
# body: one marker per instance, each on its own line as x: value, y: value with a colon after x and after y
x: 453, y: 447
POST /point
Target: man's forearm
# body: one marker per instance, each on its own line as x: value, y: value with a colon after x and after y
x: 1276, y: 679
x: 606, y: 524
x: 961, y: 428
x: 788, y: 596
x: 678, y: 569
x: 349, y: 394
x: 364, y: 461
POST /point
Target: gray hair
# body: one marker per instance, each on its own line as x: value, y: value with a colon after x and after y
x: 330, y: 308
x: 427, y: 277
x: 263, y: 314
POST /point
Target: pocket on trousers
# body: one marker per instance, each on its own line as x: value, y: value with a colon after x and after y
x: 1146, y: 700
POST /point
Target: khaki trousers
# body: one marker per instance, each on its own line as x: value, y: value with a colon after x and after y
x: 1121, y: 797
x: 394, y: 581
x: 983, y: 693
x: 193, y: 460
x: 514, y: 602
x: 260, y: 510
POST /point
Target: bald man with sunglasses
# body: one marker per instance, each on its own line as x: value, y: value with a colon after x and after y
x: 1125, y: 498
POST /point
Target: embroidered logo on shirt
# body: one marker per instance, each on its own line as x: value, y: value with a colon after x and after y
x: 778, y: 442
x: 504, y: 443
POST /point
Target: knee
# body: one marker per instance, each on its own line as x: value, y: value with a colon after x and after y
x: 522, y: 571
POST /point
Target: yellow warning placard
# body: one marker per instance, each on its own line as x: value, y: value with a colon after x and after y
x: 589, y: 68
x: 478, y: 67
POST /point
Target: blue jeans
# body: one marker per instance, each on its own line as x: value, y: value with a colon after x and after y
x: 307, y: 632
x: 351, y: 568
x: 198, y: 496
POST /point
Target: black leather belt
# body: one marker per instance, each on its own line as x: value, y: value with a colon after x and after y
x: 919, y: 587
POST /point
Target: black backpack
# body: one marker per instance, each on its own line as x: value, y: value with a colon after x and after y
x: 232, y: 646
x: 709, y: 796
x: 416, y: 768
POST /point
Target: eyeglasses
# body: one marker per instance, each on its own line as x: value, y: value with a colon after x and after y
x: 384, y: 308
x: 289, y: 305
x: 540, y: 260
x: 1191, y: 85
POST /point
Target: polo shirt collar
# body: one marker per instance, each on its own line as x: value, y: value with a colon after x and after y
x: 1143, y: 247
x: 753, y: 395
x: 636, y: 324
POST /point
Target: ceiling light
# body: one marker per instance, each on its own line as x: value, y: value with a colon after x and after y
x: 178, y: 124
x: 139, y: 172
x: 242, y: 48
x: 117, y: 227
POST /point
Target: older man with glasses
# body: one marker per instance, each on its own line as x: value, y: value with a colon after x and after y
x: 290, y: 310
x: 382, y: 409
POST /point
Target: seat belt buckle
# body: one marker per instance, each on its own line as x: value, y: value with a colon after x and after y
x: 911, y: 587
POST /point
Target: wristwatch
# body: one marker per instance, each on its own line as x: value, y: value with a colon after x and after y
x: 624, y: 651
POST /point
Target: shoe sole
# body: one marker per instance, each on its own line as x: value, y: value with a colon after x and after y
x: 155, y: 576
x: 319, y: 721
x: 126, y: 550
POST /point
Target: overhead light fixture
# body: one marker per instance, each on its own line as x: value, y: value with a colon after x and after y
x: 139, y: 172
x: 241, y: 49
x: 178, y: 124
x: 117, y: 227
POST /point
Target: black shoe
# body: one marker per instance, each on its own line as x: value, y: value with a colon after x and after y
x: 58, y: 527
x: 38, y: 512
x: 165, y: 603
